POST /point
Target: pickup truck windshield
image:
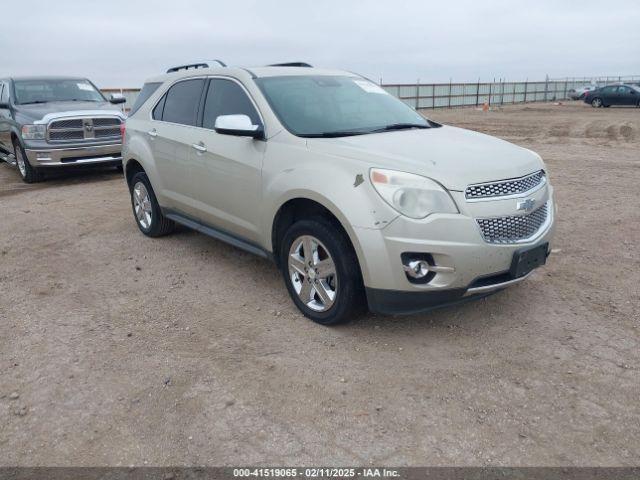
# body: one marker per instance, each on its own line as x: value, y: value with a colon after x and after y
x: 335, y: 106
x: 56, y: 90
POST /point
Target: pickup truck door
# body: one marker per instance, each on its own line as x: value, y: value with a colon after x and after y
x: 227, y: 169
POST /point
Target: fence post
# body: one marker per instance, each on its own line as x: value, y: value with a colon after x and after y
x: 450, y: 92
x: 490, y: 89
x: 502, y: 91
x: 417, y: 94
x: 564, y: 95
x: 526, y: 84
x: 478, y: 92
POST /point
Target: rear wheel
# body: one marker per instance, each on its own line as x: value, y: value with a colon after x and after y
x: 28, y: 173
x: 596, y: 102
x: 146, y: 209
x: 321, y: 272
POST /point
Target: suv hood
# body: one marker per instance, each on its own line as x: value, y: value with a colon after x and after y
x: 452, y: 156
x: 38, y: 111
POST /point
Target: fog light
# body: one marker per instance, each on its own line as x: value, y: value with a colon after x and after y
x: 417, y: 268
x: 421, y: 267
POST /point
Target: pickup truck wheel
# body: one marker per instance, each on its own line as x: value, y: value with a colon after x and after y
x: 321, y: 272
x: 28, y: 173
x: 146, y: 209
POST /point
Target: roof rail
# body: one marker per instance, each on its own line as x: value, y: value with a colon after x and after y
x: 204, y: 64
x: 291, y: 64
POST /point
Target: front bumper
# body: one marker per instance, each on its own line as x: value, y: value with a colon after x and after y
x: 397, y: 302
x: 473, y: 267
x: 64, y: 157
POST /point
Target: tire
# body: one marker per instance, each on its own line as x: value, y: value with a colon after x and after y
x: 597, y: 102
x: 327, y: 243
x: 28, y: 173
x: 146, y: 209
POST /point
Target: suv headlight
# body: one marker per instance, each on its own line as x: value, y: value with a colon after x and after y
x: 412, y: 195
x: 34, y: 132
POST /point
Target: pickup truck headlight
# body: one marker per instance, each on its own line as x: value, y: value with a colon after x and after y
x: 34, y: 132
x: 412, y: 195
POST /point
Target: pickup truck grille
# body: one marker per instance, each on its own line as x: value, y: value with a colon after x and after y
x: 503, y: 188
x: 83, y: 129
x: 513, y: 229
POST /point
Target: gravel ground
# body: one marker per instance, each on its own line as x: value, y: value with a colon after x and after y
x: 117, y: 349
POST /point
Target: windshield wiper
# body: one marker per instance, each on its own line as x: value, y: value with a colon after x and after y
x: 332, y: 134
x: 33, y: 102
x: 400, y: 126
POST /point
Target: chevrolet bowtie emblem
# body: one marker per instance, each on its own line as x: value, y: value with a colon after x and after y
x: 526, y: 205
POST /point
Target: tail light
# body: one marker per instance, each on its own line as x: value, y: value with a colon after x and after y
x: 123, y: 129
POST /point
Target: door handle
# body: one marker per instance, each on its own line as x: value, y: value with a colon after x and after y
x: 199, y: 147
x: 153, y: 133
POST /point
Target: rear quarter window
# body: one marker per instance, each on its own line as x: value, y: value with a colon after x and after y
x: 148, y: 89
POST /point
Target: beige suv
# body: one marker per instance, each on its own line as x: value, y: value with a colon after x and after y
x: 358, y: 199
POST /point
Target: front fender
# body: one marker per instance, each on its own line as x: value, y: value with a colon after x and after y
x: 339, y: 185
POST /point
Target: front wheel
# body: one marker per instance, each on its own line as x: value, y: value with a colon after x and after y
x: 596, y: 102
x: 28, y: 173
x: 321, y: 272
x: 146, y: 209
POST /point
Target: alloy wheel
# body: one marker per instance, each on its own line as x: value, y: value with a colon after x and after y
x: 142, y: 205
x: 20, y: 161
x: 313, y: 274
x: 597, y: 103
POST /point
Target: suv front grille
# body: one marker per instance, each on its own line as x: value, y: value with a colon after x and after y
x: 513, y: 229
x: 83, y: 129
x: 504, y: 188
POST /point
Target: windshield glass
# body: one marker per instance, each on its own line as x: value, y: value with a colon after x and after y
x: 45, y: 90
x: 317, y: 106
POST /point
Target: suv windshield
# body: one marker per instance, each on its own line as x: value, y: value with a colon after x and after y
x: 334, y: 106
x: 50, y: 90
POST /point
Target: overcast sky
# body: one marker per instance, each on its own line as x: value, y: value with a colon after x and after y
x: 120, y: 43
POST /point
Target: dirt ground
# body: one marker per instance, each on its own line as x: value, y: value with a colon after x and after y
x: 116, y: 349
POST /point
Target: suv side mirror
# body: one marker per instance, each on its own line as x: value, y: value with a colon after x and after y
x: 238, y: 125
x: 116, y: 99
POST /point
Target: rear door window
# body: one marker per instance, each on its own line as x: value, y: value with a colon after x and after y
x: 226, y: 97
x: 182, y: 101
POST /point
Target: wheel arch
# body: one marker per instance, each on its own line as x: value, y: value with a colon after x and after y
x: 131, y: 168
x: 305, y: 206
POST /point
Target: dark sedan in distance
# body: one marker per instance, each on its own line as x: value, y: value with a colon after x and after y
x: 614, y: 95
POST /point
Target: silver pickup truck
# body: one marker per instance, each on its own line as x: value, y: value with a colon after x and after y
x: 53, y: 122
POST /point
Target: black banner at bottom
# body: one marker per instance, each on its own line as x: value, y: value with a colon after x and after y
x: 314, y: 473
